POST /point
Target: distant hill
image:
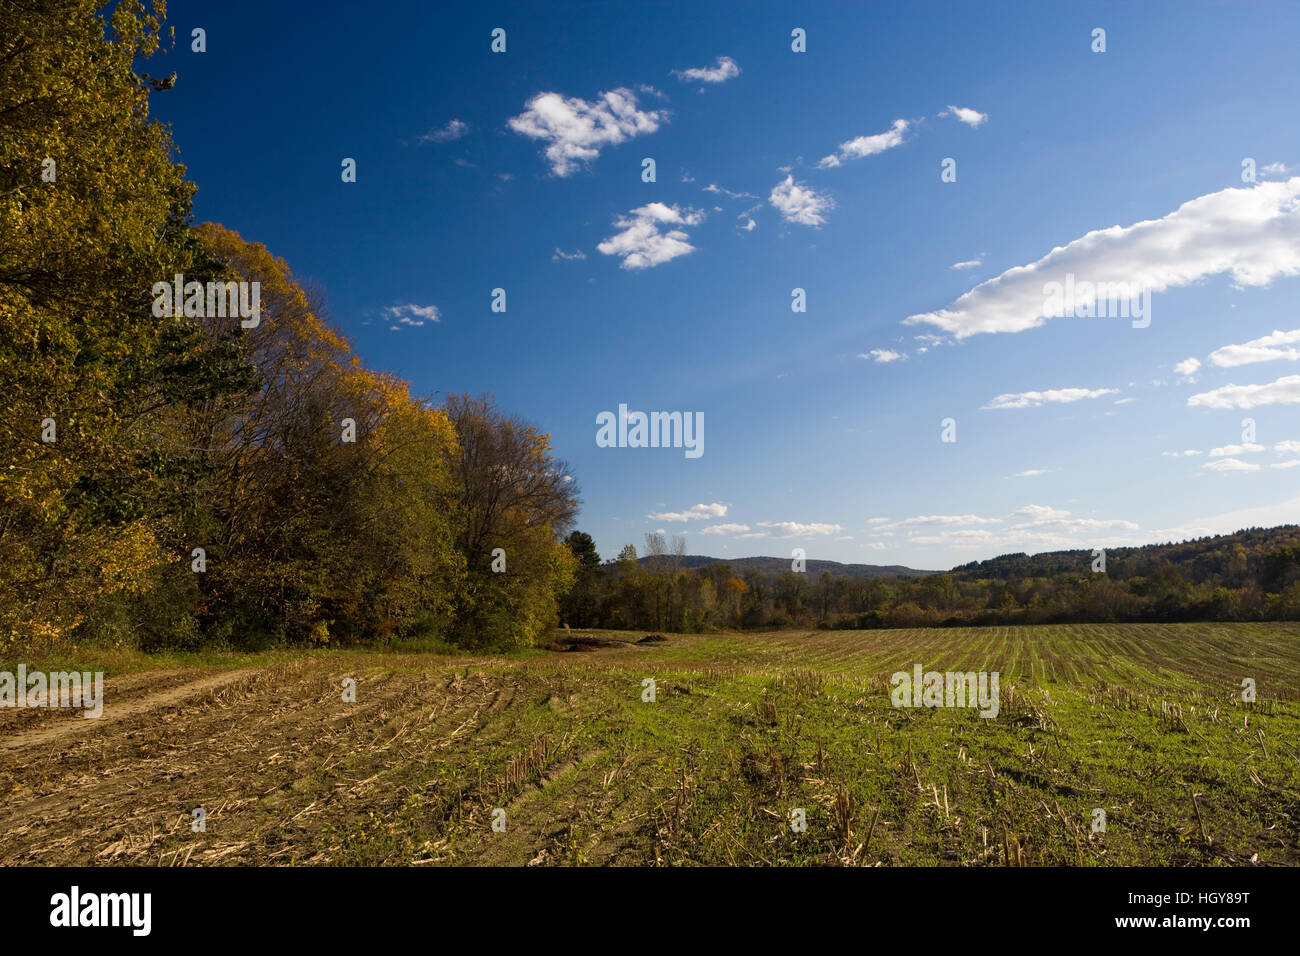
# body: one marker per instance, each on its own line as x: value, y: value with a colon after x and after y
x: 814, y: 567
x: 1201, y: 558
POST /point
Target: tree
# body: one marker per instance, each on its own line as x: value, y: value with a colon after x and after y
x: 515, y: 496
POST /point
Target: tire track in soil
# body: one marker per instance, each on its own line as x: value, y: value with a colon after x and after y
x: 74, y: 729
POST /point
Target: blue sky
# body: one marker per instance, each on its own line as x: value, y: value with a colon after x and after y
x: 522, y: 170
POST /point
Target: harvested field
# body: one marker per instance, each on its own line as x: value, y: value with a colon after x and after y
x: 1144, y: 722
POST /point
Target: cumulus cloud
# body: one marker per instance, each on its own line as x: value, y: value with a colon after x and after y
x: 454, y: 130
x: 576, y: 130
x: 1252, y: 234
x: 641, y: 244
x: 1293, y: 446
x: 866, y: 145
x: 1284, y: 391
x: 883, y: 355
x: 1269, y: 348
x: 411, y: 315
x: 1287, y: 464
x: 966, y: 115
x: 1060, y: 395
x: 693, y: 513
x: 726, y: 69
x: 1188, y: 367
x: 1228, y: 450
x: 725, y: 529
x: 799, y: 203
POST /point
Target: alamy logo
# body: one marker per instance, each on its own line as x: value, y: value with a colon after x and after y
x: 215, y: 300
x: 655, y: 430
x: 55, y: 689
x: 951, y: 689
x: 103, y: 909
x: 1103, y: 300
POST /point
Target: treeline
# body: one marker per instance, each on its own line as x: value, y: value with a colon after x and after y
x: 1253, y: 575
x: 203, y: 478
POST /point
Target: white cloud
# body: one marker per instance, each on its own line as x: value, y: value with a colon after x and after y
x: 1286, y: 464
x: 1230, y: 464
x: 1038, y: 527
x: 968, y: 264
x: 792, y: 529
x: 1228, y: 450
x: 641, y: 244
x: 725, y: 529
x: 883, y: 355
x: 1039, y: 513
x: 723, y: 191
x: 942, y: 520
x: 1251, y: 233
x: 1292, y: 446
x: 454, y: 130
x: 693, y: 513
x: 726, y: 69
x: 577, y: 130
x: 799, y: 203
x: 1274, y: 169
x: 1034, y: 399
x: 968, y: 116
x: 1187, y: 367
x: 1265, y: 349
x: 866, y: 145
x: 1030, y: 473
x: 561, y: 255
x: 411, y: 315
x: 1180, y: 454
x: 1285, y: 391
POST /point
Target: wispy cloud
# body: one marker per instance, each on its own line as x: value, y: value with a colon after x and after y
x: 883, y: 355
x: 576, y: 130
x: 792, y: 529
x: 968, y: 264
x: 454, y: 130
x: 1230, y: 464
x: 1057, y: 395
x: 642, y: 245
x: 726, y: 69
x: 799, y: 203
x: 721, y: 190
x: 1252, y: 234
x: 561, y: 255
x: 866, y: 145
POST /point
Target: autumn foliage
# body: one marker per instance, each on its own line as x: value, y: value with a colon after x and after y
x: 330, y: 505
